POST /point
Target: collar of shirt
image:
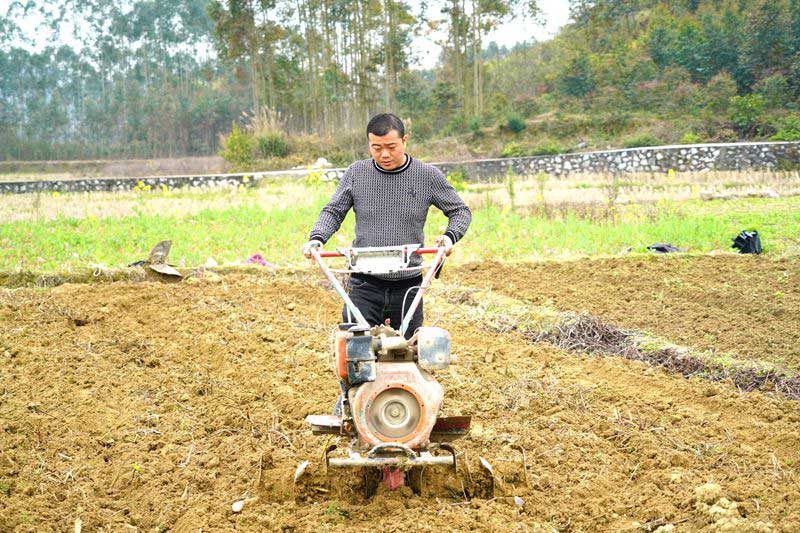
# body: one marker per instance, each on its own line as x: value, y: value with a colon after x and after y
x: 395, y: 170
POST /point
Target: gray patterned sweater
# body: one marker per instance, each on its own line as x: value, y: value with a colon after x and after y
x: 391, y: 206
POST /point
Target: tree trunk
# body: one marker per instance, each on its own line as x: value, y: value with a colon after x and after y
x: 388, y: 47
x: 475, y: 59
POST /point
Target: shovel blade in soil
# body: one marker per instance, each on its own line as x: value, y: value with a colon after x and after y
x: 448, y: 428
x: 324, y: 424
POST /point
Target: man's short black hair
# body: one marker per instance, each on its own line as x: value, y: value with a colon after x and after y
x: 382, y: 124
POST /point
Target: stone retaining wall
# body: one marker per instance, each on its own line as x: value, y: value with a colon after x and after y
x: 155, y: 182
x: 701, y: 157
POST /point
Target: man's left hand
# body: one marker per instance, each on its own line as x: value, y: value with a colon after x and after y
x: 446, y: 242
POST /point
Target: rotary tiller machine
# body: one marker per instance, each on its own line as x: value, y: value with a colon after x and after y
x: 388, y: 414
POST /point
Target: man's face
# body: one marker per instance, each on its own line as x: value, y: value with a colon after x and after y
x: 389, y: 150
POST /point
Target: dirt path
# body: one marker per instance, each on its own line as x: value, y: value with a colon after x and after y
x: 727, y: 303
x: 159, y: 405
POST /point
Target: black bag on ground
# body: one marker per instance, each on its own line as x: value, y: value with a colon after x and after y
x: 663, y: 248
x: 747, y: 242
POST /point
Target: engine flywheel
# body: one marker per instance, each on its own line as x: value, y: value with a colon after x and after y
x: 395, y: 413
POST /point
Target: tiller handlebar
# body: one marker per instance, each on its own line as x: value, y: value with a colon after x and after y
x: 380, y: 260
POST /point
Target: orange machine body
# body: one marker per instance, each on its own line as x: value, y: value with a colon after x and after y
x: 340, y: 353
x: 415, y: 385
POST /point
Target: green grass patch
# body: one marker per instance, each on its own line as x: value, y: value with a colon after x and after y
x: 234, y: 233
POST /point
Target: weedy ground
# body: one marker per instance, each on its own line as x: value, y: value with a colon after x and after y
x: 526, y: 218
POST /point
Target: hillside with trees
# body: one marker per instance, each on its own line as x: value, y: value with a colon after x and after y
x: 286, y: 82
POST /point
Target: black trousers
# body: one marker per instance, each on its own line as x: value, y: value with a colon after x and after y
x: 379, y: 300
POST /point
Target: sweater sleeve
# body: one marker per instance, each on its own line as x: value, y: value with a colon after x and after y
x: 447, y: 199
x: 332, y: 215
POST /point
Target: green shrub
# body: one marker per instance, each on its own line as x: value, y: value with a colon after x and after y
x: 746, y: 112
x: 515, y: 122
x: 515, y: 149
x: 475, y: 126
x: 456, y: 125
x: 576, y: 77
x: 725, y: 135
x: 717, y: 94
x: 786, y: 135
x: 774, y: 89
x: 272, y: 145
x: 497, y: 106
x: 547, y: 148
x: 527, y: 106
x: 788, y: 130
x: 237, y: 147
x: 458, y: 179
x: 644, y: 139
x: 547, y: 102
x: 512, y: 149
x: 793, y: 77
x: 691, y: 138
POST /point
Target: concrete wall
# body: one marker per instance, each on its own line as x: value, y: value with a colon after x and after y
x: 701, y: 157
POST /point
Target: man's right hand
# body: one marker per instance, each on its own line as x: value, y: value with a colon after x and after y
x: 446, y: 242
x: 313, y: 243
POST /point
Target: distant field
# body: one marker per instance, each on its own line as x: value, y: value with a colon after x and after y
x: 550, y: 218
x: 53, y: 170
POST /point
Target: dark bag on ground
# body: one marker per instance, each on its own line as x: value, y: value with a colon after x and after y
x: 747, y: 242
x: 663, y: 248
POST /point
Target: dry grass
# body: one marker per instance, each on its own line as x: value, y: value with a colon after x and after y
x: 586, y: 333
x: 541, y: 192
x: 51, y: 170
x: 586, y: 196
x: 181, y: 202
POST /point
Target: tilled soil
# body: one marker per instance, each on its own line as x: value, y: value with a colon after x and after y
x: 743, y: 305
x: 158, y: 405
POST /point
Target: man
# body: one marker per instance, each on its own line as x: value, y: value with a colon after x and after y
x: 390, y: 195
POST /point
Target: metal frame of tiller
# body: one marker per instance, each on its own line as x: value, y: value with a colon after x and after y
x: 383, y: 260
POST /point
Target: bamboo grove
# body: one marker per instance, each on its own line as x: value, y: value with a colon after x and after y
x: 150, y: 79
x: 144, y: 78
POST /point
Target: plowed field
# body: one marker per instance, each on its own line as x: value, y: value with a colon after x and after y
x: 743, y: 305
x: 158, y: 405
